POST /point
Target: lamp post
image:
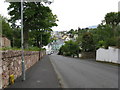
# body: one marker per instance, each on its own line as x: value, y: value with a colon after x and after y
x: 22, y: 41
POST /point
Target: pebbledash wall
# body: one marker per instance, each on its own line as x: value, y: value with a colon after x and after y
x: 11, y: 63
x: 111, y: 54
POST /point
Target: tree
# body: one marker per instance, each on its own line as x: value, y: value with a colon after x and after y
x: 16, y: 37
x: 104, y: 33
x: 112, y: 18
x: 6, y: 29
x: 118, y: 42
x: 70, y: 48
x: 13, y: 34
x: 39, y: 38
x: 71, y: 33
x: 36, y: 17
x: 118, y: 36
x: 87, y: 44
x: 61, y: 50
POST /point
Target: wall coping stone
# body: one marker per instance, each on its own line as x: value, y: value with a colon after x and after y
x: 16, y: 53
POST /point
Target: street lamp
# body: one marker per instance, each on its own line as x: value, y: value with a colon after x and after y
x: 22, y: 39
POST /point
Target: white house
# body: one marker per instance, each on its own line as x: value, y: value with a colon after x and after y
x: 48, y: 49
x: 67, y: 39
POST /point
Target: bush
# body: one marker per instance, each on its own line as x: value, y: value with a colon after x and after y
x: 33, y: 49
x: 10, y: 48
x: 100, y: 44
x: 118, y: 42
x: 29, y: 49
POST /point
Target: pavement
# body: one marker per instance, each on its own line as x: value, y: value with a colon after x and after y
x: 41, y: 75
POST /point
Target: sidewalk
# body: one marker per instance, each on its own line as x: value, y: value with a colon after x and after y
x: 41, y: 75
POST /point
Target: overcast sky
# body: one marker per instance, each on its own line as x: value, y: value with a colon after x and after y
x: 76, y: 13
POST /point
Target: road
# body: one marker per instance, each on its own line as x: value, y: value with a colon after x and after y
x: 78, y: 73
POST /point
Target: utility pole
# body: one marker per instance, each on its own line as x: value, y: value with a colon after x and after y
x: 22, y: 42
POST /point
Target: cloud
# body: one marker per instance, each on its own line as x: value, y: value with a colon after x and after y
x: 76, y: 13
x: 81, y: 13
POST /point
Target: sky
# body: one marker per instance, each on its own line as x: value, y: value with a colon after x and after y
x: 76, y: 13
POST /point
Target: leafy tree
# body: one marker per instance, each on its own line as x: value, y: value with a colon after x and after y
x: 36, y: 17
x: 87, y: 42
x: 112, y: 18
x: 118, y: 42
x: 117, y: 29
x: 39, y: 38
x: 71, y: 33
x: 16, y: 42
x: 61, y: 50
x: 103, y: 33
x: 70, y: 48
x: 117, y: 33
x: 13, y: 34
x: 6, y: 29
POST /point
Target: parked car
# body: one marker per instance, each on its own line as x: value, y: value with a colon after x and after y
x: 49, y: 52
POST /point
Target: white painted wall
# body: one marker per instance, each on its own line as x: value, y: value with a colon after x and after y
x: 48, y: 48
x: 119, y: 56
x: 110, y: 55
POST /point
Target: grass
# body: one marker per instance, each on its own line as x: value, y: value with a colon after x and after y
x: 29, y: 49
x: 9, y: 48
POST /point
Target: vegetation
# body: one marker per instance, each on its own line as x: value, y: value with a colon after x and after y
x: 87, y: 43
x: 6, y: 28
x: 28, y: 49
x: 106, y: 34
x: 38, y: 19
x: 70, y: 48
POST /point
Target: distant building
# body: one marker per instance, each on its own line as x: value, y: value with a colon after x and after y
x: 64, y: 37
x: 75, y: 37
x: 67, y: 39
x: 48, y: 48
x: 57, y: 44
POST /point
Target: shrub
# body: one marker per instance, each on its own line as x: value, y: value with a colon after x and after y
x: 118, y: 42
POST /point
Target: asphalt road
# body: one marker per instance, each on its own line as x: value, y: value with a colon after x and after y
x: 77, y: 73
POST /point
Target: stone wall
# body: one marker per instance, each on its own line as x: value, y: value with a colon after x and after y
x: 11, y: 63
x: 88, y: 55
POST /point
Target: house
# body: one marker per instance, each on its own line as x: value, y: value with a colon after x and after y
x: 67, y: 39
x: 48, y: 49
x: 75, y: 36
